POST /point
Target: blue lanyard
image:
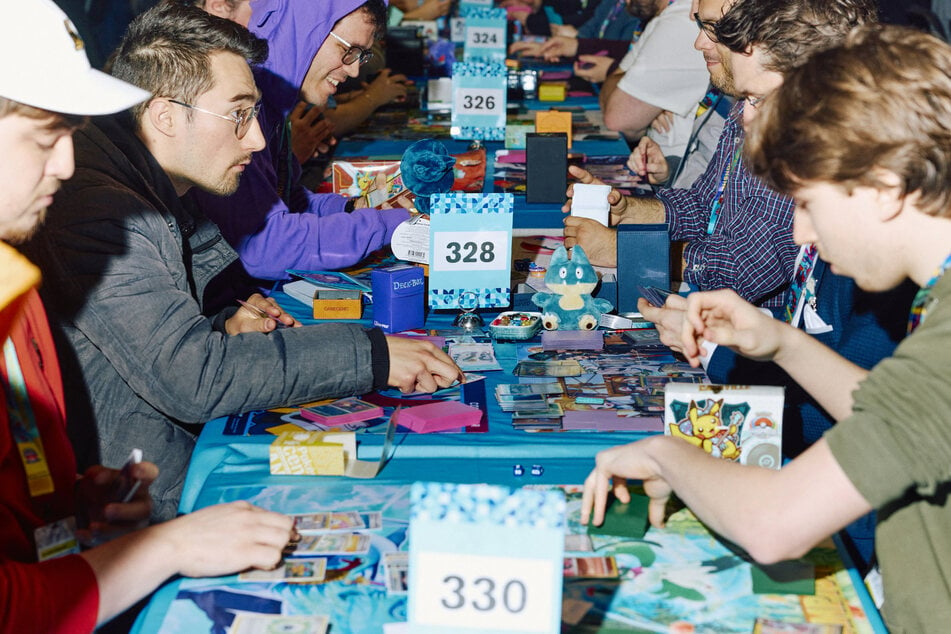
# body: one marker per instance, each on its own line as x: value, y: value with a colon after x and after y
x: 922, y: 301
x: 724, y: 179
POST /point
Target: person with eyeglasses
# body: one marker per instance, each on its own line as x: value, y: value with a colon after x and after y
x: 142, y: 286
x: 763, y: 41
x: 273, y: 221
x: 860, y: 135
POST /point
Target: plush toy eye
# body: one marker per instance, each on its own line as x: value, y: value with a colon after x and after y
x: 563, y: 272
x: 579, y: 272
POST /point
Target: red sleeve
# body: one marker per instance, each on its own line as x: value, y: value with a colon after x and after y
x: 59, y: 595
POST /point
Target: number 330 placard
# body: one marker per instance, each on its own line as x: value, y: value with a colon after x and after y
x: 485, y: 559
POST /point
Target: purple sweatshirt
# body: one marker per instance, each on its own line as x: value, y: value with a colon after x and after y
x: 301, y: 230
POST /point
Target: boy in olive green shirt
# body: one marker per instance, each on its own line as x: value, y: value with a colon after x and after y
x: 860, y: 136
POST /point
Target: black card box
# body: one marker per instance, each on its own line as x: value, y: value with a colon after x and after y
x: 643, y: 259
x: 546, y: 169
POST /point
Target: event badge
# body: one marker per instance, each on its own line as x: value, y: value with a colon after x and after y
x: 478, y: 101
x: 484, y: 39
x: 56, y: 539
x: 485, y: 559
x: 470, y: 264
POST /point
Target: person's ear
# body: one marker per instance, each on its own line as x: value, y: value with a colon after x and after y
x: 889, y: 194
x: 159, y: 117
x: 221, y: 8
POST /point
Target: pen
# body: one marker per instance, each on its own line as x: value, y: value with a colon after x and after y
x: 260, y: 313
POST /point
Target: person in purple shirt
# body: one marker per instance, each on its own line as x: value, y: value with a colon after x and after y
x: 272, y: 221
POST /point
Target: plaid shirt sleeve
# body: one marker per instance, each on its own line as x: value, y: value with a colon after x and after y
x: 751, y: 249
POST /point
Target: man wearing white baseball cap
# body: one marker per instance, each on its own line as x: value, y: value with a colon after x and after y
x: 46, y: 584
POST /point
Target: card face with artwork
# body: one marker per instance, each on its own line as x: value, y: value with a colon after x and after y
x: 331, y: 544
x: 340, y: 412
x: 291, y: 571
x: 257, y: 623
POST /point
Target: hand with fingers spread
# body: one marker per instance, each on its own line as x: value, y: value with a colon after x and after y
x: 613, y: 468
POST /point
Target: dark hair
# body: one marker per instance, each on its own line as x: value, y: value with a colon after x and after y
x: 375, y: 11
x: 166, y: 51
x: 880, y: 101
x: 789, y: 31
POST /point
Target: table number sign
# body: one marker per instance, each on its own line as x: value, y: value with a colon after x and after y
x: 484, y: 35
x: 485, y: 559
x: 478, y: 101
x: 470, y: 238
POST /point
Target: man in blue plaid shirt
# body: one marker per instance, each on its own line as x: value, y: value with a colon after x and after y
x: 738, y: 232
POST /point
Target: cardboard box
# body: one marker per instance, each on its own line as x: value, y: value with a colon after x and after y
x: 312, y: 453
x: 742, y: 423
x: 398, y: 297
x: 338, y: 304
x: 552, y: 91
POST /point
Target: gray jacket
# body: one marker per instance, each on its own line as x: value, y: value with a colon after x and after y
x: 130, y: 279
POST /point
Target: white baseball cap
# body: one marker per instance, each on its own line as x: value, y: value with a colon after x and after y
x: 44, y: 64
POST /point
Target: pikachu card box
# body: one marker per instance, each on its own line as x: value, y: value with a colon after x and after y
x: 742, y: 423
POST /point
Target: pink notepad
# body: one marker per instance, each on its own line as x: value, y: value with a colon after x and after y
x: 440, y: 416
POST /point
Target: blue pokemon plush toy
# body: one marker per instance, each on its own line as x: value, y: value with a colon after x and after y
x: 570, y: 306
x: 427, y: 169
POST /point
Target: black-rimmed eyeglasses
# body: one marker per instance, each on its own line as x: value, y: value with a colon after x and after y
x: 241, y: 118
x: 707, y: 26
x: 353, y: 53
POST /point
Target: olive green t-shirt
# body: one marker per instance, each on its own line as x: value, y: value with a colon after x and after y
x: 896, y: 450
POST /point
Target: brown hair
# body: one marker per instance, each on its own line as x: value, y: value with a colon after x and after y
x: 789, y: 31
x: 57, y: 120
x: 882, y: 100
x: 166, y: 51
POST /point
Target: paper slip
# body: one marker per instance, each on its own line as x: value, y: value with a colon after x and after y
x: 298, y: 571
x: 256, y: 623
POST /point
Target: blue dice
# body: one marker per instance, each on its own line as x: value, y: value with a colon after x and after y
x: 537, y: 470
x: 518, y: 470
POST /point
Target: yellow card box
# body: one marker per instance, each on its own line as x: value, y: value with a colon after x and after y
x: 312, y: 453
x: 553, y: 121
x: 338, y: 304
x: 550, y: 91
